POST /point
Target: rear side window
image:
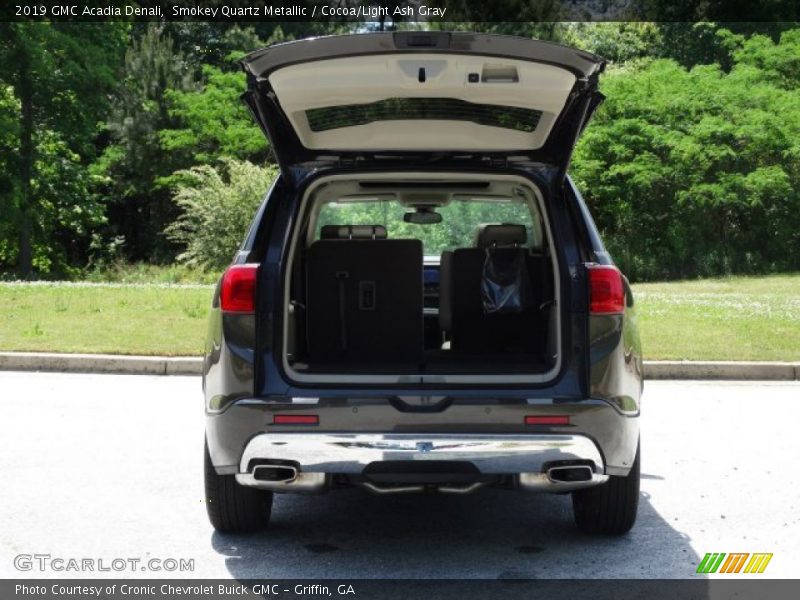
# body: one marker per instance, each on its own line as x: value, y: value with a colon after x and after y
x: 423, y: 109
x: 460, y: 220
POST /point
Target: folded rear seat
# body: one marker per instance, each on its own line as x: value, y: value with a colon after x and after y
x: 364, y: 297
x: 471, y: 329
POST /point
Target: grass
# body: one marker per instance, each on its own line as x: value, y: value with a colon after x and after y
x: 122, y: 272
x: 168, y: 320
x: 738, y: 318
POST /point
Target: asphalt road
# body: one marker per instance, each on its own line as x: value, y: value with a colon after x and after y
x: 107, y: 466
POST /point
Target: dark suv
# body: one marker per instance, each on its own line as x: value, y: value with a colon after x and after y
x: 423, y: 302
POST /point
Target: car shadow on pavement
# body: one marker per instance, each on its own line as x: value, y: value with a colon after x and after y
x: 491, y: 534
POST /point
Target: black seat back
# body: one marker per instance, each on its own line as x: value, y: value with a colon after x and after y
x: 364, y: 300
x: 474, y: 331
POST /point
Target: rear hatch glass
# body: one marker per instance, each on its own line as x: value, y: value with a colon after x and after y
x: 423, y: 109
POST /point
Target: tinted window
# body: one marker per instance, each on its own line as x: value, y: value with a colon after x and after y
x: 439, y: 109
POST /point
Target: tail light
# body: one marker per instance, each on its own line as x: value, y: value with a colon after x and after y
x: 238, y: 291
x: 606, y: 290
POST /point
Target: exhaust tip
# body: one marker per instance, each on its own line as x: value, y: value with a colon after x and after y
x: 274, y: 473
x: 570, y: 474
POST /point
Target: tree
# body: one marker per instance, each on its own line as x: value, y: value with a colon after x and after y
x: 778, y: 64
x: 212, y: 43
x: 212, y: 122
x: 131, y: 169
x: 617, y: 42
x: 59, y: 75
x: 174, y: 110
x: 696, y: 172
x: 9, y: 144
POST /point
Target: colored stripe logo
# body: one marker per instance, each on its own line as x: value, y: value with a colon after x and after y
x: 736, y: 562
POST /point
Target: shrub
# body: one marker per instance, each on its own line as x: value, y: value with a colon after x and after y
x: 218, y: 204
x: 695, y: 172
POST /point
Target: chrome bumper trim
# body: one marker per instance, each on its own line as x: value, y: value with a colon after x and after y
x: 350, y: 453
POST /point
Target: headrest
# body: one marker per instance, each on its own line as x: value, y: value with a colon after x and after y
x: 353, y: 232
x: 507, y: 234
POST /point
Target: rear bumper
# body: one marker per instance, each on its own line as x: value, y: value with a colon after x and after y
x: 246, y: 429
x: 536, y: 462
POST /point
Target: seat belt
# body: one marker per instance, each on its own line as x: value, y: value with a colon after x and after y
x: 341, y: 277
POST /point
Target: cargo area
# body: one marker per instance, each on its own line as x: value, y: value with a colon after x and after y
x: 415, y: 278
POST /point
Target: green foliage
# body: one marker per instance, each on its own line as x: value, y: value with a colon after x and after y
x: 778, y: 64
x: 615, y: 41
x: 219, y: 43
x: 696, y: 172
x: 213, y: 122
x: 168, y: 115
x: 9, y: 143
x: 144, y: 273
x: 64, y: 206
x: 218, y: 205
x: 692, y: 166
x: 153, y: 68
x: 128, y: 174
x: 54, y: 84
x: 83, y: 59
x: 698, y: 43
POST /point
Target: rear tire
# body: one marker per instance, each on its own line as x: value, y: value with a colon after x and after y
x: 234, y: 508
x: 610, y: 508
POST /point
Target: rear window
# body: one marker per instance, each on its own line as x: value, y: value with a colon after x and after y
x: 424, y: 109
x: 460, y: 221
